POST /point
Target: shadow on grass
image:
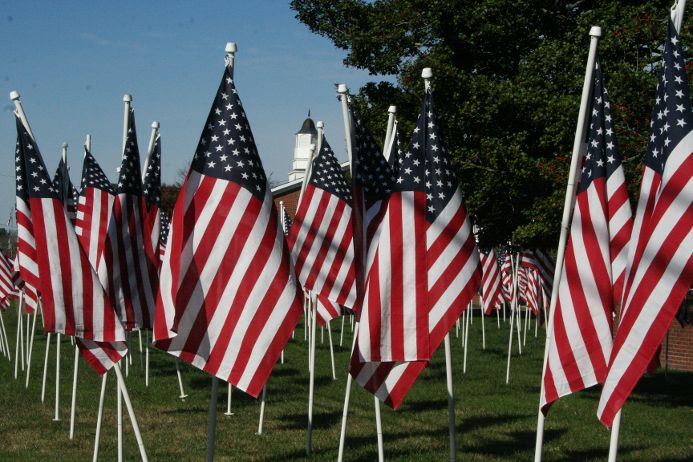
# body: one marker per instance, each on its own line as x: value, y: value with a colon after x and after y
x: 299, y: 420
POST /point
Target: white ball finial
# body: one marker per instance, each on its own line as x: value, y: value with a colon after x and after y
x: 155, y: 124
x: 427, y: 73
x: 230, y: 47
x: 320, y: 124
x: 392, y: 109
x: 127, y: 98
x: 14, y: 95
x: 596, y: 31
x: 64, y: 145
x: 342, y: 88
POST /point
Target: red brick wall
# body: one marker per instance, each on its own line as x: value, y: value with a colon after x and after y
x: 680, y: 347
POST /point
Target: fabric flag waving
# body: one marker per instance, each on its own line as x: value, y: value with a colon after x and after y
x: 163, y: 235
x: 151, y: 190
x: 128, y: 267
x: 65, y: 190
x: 93, y: 209
x: 322, y: 239
x: 508, y: 285
x: 491, y: 287
x: 228, y: 299
x: 74, y: 302
x: 452, y: 259
x: 660, y: 254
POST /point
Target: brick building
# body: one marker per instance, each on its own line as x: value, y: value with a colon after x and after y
x: 677, y: 347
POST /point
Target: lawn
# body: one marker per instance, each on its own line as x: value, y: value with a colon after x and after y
x: 495, y: 421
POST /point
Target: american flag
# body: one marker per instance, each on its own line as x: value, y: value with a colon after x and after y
x: 326, y: 310
x: 660, y: 254
x: 74, y: 302
x: 228, y: 299
x: 127, y: 269
x: 286, y: 221
x: 533, y: 290
x: 7, y: 287
x: 30, y: 294
x: 152, y: 196
x: 163, y: 235
x: 453, y: 268
x: 93, y: 209
x: 580, y: 343
x: 508, y: 286
x: 322, y: 239
x: 65, y: 190
x: 540, y: 261
x: 394, y: 312
x: 491, y: 292
x: 522, y: 283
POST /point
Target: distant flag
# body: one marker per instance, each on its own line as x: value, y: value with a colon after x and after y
x: 533, y: 290
x: 491, y: 286
x: 322, y: 239
x: 539, y: 261
x: 7, y: 287
x: 151, y: 190
x: 30, y: 293
x: 507, y: 277
x: 65, y: 190
x: 127, y: 269
x: 660, y: 253
x: 94, y: 208
x: 522, y: 283
x: 74, y: 302
x: 228, y: 299
x: 163, y: 235
x: 452, y: 259
x: 286, y: 221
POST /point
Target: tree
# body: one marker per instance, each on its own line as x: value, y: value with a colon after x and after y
x: 507, y: 82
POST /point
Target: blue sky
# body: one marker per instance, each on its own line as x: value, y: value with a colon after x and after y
x: 72, y: 62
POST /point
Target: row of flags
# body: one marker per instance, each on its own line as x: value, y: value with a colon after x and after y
x: 396, y: 247
x: 623, y: 272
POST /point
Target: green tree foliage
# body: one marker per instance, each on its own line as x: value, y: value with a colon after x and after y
x: 507, y: 81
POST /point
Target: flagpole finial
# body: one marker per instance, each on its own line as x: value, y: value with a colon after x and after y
x: 392, y: 110
x: 230, y: 47
x: 127, y: 98
x: 596, y: 31
x: 320, y: 124
x: 156, y: 125
x: 14, y: 95
x: 342, y: 89
x: 427, y: 73
x: 64, y: 146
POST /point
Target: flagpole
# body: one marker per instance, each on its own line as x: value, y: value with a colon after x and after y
x: 131, y: 412
x: 74, y: 393
x: 180, y: 381
x: 391, y: 114
x: 98, y: 417
x: 578, y: 148
x: 212, y: 420
x: 483, y: 328
x: 150, y: 147
x: 329, y: 338
x: 228, y: 401
x: 45, y: 367
x: 57, y: 377
x: 516, y: 302
x: 347, y: 395
x: 311, y: 385
x: 262, y: 410
x: 18, y: 341
x: 465, y: 335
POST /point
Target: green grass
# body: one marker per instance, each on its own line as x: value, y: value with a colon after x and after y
x: 495, y: 421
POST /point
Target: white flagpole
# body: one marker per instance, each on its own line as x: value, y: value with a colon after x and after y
x: 347, y: 395
x: 98, y: 417
x: 483, y: 328
x: 329, y: 338
x: 119, y: 415
x: 57, y: 377
x: 18, y: 341
x: 146, y: 358
x: 341, y: 332
x: 311, y: 385
x: 466, y: 336
x: 497, y: 317
x: 228, y: 401
x: 150, y: 151
x: 180, y: 381
x: 516, y: 303
x: 5, y: 341
x: 45, y: 367
x: 131, y: 412
x: 578, y: 150
x: 74, y: 393
x: 613, y: 440
x: 510, y: 345
x: 262, y: 409
x: 27, y: 336
x: 379, y: 430
x: 212, y: 420
x: 391, y: 113
x: 451, y: 399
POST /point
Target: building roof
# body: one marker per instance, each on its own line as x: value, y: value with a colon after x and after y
x: 308, y: 127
